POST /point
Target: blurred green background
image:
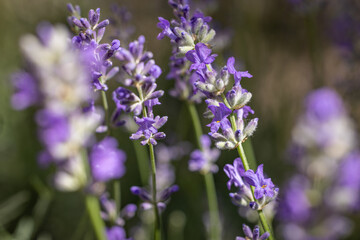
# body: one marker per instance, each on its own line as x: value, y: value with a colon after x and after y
x: 288, y: 48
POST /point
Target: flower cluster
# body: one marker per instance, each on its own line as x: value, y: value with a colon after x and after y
x: 57, y: 81
x: 90, y: 32
x: 264, y: 190
x: 324, y: 151
x: 142, y: 73
x: 253, y: 235
x: 184, y: 31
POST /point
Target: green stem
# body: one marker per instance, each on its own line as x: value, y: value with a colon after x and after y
x: 265, y: 224
x: 106, y: 108
x: 141, y: 156
x: 196, y: 121
x: 157, y: 231
x: 215, y: 226
x: 93, y: 208
x: 245, y: 163
x: 92, y: 204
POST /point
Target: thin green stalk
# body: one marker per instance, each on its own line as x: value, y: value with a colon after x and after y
x: 92, y: 205
x: 215, y: 226
x: 93, y: 208
x: 245, y: 163
x: 106, y: 108
x: 157, y: 232
x: 143, y: 166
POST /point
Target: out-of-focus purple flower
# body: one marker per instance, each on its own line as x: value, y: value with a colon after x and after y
x: 263, y: 186
x: 238, y: 75
x: 253, y: 235
x: 200, y: 57
x: 54, y: 128
x: 203, y: 160
x: 161, y: 197
x: 110, y: 214
x: 349, y: 172
x: 107, y: 161
x: 115, y: 233
x: 221, y: 113
x: 295, y: 205
x: 324, y: 104
x: 26, y: 91
x: 148, y: 129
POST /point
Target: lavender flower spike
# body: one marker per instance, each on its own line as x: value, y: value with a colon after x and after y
x: 253, y: 235
x: 148, y: 129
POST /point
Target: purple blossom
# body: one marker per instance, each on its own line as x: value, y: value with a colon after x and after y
x: 238, y: 75
x: 263, y: 187
x: 26, y: 91
x: 200, y: 57
x: 109, y: 212
x: 235, y: 173
x: 166, y: 30
x: 253, y: 235
x: 54, y: 128
x: 115, y: 233
x: 324, y: 104
x: 295, y: 205
x: 204, y: 160
x: 221, y: 113
x: 148, y: 129
x: 107, y: 161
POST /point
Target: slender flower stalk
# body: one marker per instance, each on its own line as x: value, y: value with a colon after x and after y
x: 215, y: 225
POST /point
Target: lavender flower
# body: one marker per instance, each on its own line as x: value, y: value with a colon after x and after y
x: 148, y: 129
x: 107, y: 161
x: 237, y: 74
x: 253, y: 235
x: 230, y: 139
x: 263, y: 187
x: 200, y: 57
x: 243, y: 196
x: 221, y: 113
x: 204, y: 160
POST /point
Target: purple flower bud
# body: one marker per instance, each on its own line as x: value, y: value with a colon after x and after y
x: 102, y: 24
